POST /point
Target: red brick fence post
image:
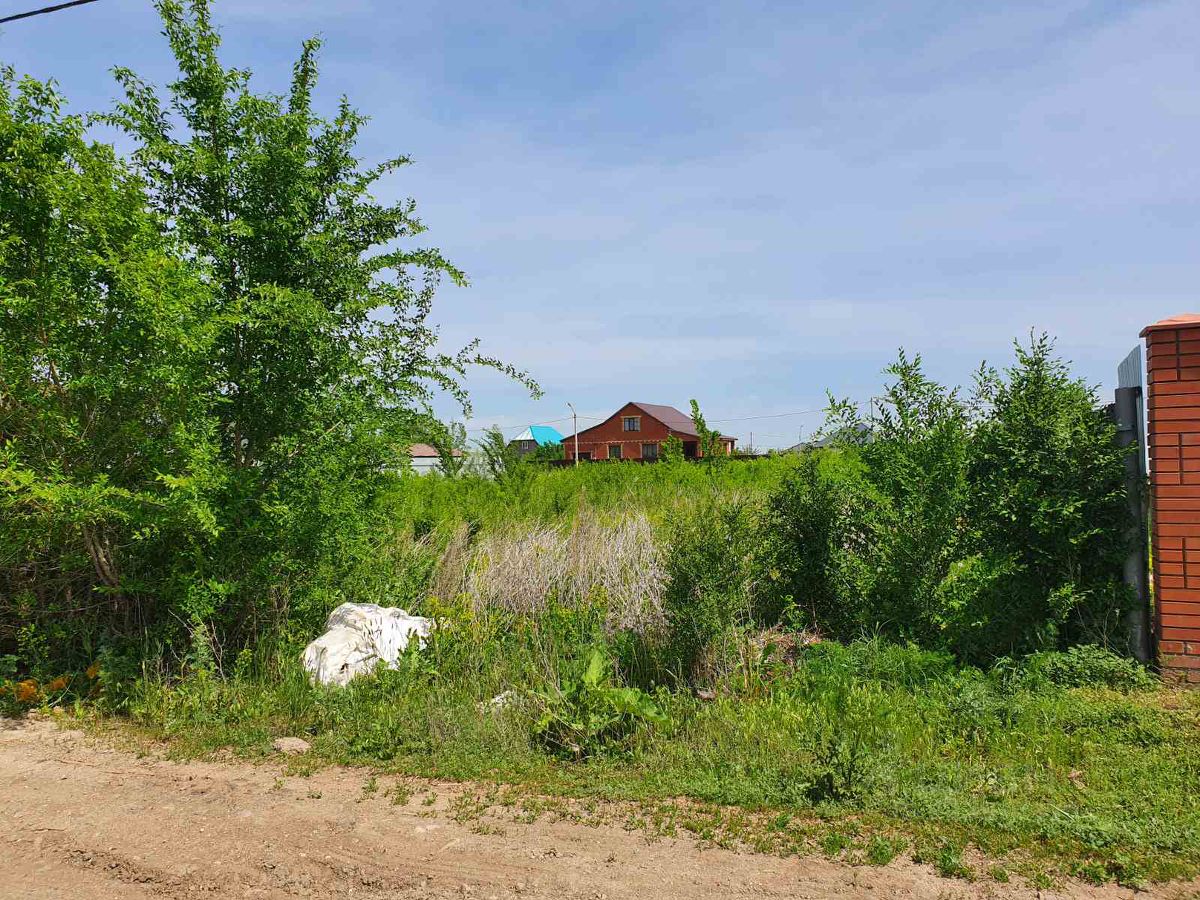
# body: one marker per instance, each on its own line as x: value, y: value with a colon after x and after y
x: 1173, y: 431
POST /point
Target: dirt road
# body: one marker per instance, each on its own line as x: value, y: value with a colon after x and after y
x: 81, y: 819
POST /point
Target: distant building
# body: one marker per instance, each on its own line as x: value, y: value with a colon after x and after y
x: 637, y: 431
x: 533, y: 437
x: 426, y: 459
x: 857, y: 434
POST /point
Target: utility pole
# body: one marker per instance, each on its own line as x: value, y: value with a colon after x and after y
x: 575, y: 426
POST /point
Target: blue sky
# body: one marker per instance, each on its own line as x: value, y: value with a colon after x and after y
x: 748, y: 203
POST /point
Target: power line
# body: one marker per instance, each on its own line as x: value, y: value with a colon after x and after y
x: 799, y: 412
x: 44, y: 10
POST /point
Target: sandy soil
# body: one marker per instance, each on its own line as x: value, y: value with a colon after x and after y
x: 82, y: 819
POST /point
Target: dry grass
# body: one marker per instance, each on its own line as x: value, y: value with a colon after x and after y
x: 525, y: 568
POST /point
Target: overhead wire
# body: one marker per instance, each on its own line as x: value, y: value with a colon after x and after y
x: 799, y: 412
x: 45, y: 9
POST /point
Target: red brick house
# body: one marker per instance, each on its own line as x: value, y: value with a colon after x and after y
x: 637, y: 431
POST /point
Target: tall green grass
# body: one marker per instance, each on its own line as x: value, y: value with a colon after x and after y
x: 551, y: 495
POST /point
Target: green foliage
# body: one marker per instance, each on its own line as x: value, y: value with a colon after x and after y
x: 1048, y: 503
x: 211, y: 358
x: 710, y: 587
x: 988, y: 528
x: 547, y: 452
x: 827, y: 507
x: 10, y: 705
x: 916, y: 462
x: 885, y: 745
x: 710, y: 445
x: 672, y: 450
x: 556, y: 495
x: 947, y: 860
x: 451, y: 445
x: 501, y: 461
x: 850, y: 721
x: 907, y: 667
x: 1086, y: 666
x: 108, y: 457
x: 882, y: 849
x: 589, y: 713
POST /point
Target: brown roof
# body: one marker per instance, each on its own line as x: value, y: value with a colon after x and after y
x: 669, y: 416
x: 419, y: 450
x: 1180, y: 321
x: 673, y: 418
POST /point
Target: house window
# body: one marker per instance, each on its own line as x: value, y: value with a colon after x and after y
x: 614, y: 451
x: 585, y: 455
x: 632, y: 423
x: 649, y: 451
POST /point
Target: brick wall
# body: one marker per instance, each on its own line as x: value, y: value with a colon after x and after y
x: 1173, y: 433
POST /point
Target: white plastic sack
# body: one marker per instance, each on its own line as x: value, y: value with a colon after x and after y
x: 358, y: 637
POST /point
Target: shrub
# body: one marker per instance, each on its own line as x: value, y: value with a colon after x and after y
x: 916, y: 457
x: 988, y: 528
x: 197, y: 424
x: 1047, y: 496
x: 822, y: 529
x: 711, y: 581
x: 975, y: 607
x: 1086, y: 666
x: 863, y: 535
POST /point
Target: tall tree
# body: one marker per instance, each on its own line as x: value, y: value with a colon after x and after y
x: 327, y: 312
x: 212, y: 355
x: 326, y: 360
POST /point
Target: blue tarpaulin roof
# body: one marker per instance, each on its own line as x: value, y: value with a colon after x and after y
x: 542, y: 434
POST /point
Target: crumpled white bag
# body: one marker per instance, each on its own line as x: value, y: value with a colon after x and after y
x: 358, y: 637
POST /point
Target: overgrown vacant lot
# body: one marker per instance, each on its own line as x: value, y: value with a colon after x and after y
x: 215, y: 354
x: 688, y: 639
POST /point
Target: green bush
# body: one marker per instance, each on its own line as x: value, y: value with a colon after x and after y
x: 862, y: 536
x: 825, y: 535
x: 206, y: 388
x: 988, y: 528
x: 710, y: 591
x: 978, y: 604
x: 1048, y: 496
x: 1086, y: 666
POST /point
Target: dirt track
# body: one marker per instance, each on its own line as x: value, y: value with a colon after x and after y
x: 80, y: 819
